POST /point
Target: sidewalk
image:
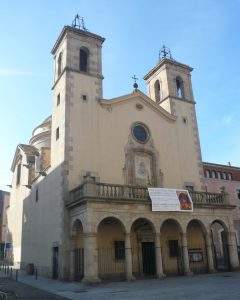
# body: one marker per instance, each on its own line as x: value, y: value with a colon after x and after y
x: 219, y: 286
x: 61, y: 288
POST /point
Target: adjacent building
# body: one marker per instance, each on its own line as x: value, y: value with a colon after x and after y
x: 4, y: 238
x: 225, y: 178
x: 80, y: 208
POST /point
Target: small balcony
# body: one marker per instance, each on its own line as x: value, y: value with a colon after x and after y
x: 128, y: 193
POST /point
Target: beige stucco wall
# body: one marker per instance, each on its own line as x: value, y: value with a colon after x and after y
x: 43, y: 221
x: 15, y: 212
x: 35, y: 227
x: 96, y: 131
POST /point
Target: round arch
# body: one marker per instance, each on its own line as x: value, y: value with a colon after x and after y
x: 111, y: 247
x: 197, y: 250
x: 109, y: 218
x: 220, y: 222
x: 76, y: 224
x: 219, y: 234
x: 201, y: 224
x: 145, y: 221
x: 176, y: 222
x: 77, y: 246
x: 171, y: 241
x: 143, y: 234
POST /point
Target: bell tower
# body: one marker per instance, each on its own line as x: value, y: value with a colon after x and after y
x: 169, y: 80
x: 169, y: 85
x: 77, y: 87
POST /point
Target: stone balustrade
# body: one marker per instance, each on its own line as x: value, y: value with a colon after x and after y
x: 95, y: 190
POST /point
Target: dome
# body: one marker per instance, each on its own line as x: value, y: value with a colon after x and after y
x: 41, y: 135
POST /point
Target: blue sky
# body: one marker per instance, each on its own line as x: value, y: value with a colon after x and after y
x: 203, y: 34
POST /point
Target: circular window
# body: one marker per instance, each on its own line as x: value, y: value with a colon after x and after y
x: 140, y: 133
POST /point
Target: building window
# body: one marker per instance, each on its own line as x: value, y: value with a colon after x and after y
x: 58, y: 99
x: 157, y: 90
x: 84, y: 97
x: 36, y: 195
x: 179, y: 87
x: 224, y: 176
x: 238, y: 194
x: 184, y: 120
x: 218, y: 175
x: 207, y: 173
x: 18, y: 174
x: 83, y: 59
x: 140, y: 133
x: 214, y: 174
x: 119, y: 247
x: 173, y: 248
x: 57, y: 133
x: 229, y: 176
x: 59, y: 64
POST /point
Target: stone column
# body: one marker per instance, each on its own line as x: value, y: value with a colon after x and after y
x: 211, y: 267
x: 90, y: 258
x: 72, y: 267
x: 128, y: 255
x: 158, y: 253
x: 185, y: 255
x: 233, y: 253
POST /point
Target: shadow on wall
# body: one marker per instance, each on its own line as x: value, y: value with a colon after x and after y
x: 45, y: 225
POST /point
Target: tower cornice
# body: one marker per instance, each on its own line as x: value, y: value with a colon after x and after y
x: 165, y: 61
x: 76, y: 31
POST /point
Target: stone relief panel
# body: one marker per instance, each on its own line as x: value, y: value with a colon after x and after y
x: 143, y: 169
x: 142, y: 163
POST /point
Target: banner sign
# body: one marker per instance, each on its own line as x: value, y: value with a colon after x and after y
x: 170, y: 200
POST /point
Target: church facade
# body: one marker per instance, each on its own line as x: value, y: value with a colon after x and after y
x: 80, y: 208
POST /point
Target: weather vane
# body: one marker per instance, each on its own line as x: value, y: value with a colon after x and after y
x: 78, y: 23
x: 165, y: 53
x: 135, y: 85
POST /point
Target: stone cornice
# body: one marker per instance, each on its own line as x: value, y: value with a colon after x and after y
x: 39, y: 136
x: 177, y: 98
x: 76, y: 31
x: 68, y: 69
x: 166, y: 61
x: 208, y: 164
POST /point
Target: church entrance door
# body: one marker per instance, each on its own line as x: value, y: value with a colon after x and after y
x: 148, y: 258
x: 55, y: 263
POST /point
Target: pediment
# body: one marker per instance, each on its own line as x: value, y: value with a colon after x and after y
x: 141, y: 97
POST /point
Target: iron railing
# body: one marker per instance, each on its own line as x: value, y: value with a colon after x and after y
x: 96, y: 190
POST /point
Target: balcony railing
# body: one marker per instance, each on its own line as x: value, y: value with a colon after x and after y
x: 92, y: 190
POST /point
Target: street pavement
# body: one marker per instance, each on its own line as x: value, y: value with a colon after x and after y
x: 17, y: 290
x: 220, y: 286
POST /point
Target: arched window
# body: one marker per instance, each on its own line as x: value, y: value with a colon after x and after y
x: 83, y: 59
x: 157, y: 90
x: 214, y: 174
x: 59, y: 64
x: 179, y: 87
x: 224, y: 175
x: 229, y: 176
